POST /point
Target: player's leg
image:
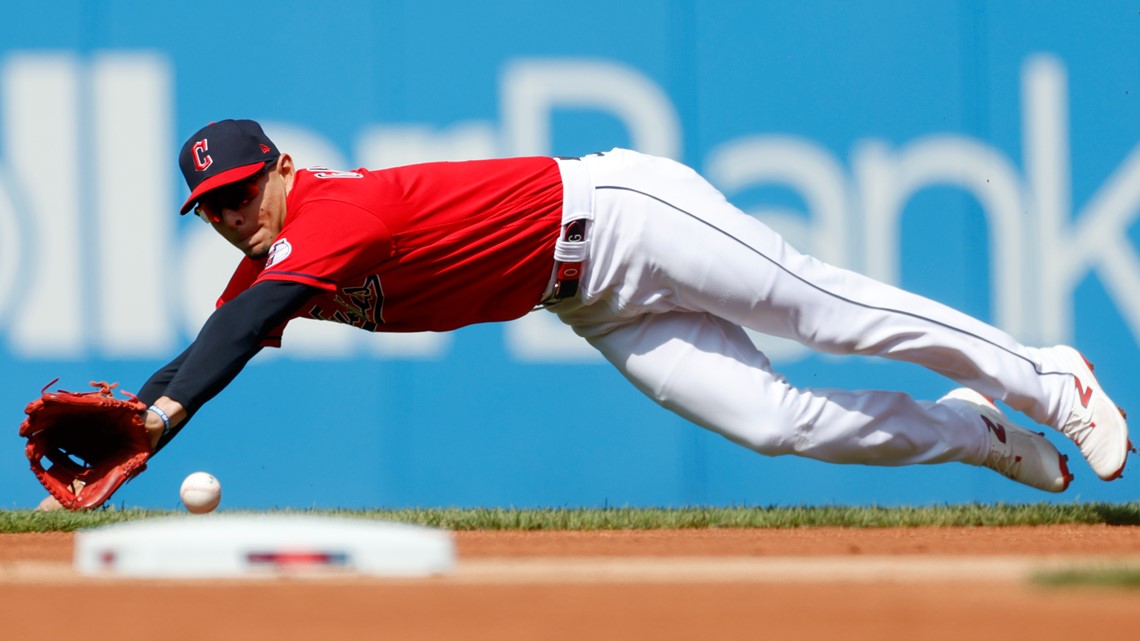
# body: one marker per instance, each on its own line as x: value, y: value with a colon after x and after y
x: 682, y: 245
x: 708, y: 371
x: 665, y: 239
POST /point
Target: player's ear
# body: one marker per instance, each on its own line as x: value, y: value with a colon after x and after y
x: 285, y: 169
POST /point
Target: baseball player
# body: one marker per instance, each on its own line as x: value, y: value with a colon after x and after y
x: 647, y: 262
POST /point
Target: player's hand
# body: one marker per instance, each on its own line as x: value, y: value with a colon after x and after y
x: 154, y: 428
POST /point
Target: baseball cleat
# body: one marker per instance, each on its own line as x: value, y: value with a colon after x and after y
x: 1095, y: 423
x: 1014, y: 452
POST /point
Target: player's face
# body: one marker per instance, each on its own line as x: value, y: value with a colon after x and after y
x: 248, y: 214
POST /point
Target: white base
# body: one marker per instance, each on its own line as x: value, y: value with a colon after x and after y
x: 261, y: 546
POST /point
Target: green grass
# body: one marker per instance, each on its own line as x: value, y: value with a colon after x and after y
x: 651, y: 518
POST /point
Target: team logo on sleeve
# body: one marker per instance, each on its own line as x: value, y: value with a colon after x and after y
x: 278, y: 252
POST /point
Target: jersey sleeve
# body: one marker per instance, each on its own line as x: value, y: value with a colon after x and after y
x: 325, y: 242
x: 243, y: 278
x: 233, y: 334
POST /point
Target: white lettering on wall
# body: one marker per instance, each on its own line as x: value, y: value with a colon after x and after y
x: 89, y: 238
x: 129, y: 193
x: 1097, y: 238
x: 393, y: 146
x: 11, y: 255
x: 533, y: 89
x: 40, y: 111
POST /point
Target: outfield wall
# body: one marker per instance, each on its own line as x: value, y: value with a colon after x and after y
x: 984, y: 154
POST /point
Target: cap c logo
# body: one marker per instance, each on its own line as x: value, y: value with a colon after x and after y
x: 202, y: 160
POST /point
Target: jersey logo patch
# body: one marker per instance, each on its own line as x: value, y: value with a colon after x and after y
x: 278, y: 252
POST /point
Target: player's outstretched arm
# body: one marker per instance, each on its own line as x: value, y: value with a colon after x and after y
x: 153, y: 390
x: 233, y: 335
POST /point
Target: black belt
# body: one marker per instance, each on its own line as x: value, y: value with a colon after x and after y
x: 567, y: 274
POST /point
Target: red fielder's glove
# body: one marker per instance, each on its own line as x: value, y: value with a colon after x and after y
x: 93, y: 441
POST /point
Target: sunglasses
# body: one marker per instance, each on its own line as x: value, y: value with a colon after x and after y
x: 233, y: 196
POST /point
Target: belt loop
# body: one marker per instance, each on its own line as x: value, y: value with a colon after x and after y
x: 570, y: 251
x: 569, y: 256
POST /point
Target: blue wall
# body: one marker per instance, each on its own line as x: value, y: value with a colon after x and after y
x: 984, y: 154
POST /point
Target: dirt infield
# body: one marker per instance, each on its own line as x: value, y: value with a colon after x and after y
x: 914, y: 583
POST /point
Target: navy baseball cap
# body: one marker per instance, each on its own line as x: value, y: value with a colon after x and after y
x: 221, y: 153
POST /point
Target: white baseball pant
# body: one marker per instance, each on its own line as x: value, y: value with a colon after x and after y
x: 674, y: 272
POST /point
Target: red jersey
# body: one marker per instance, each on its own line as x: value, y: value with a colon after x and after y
x: 428, y: 247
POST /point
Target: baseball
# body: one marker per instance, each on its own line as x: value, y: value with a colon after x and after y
x: 201, y: 493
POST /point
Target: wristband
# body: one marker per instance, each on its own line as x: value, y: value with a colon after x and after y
x: 162, y: 415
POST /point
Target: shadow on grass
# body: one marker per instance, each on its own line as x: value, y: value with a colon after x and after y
x: 1118, y: 514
